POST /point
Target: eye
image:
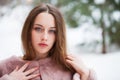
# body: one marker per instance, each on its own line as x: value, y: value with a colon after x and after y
x: 52, y: 31
x: 38, y: 29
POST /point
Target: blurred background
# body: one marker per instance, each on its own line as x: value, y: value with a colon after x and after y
x: 93, y: 31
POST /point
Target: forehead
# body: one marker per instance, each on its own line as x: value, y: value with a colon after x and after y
x: 45, y: 19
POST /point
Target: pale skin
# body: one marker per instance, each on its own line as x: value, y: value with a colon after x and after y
x: 20, y: 73
x: 44, y: 32
x: 78, y: 65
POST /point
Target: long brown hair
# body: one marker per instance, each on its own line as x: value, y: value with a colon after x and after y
x: 58, y: 52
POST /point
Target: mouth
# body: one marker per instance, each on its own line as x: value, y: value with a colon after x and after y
x: 42, y: 44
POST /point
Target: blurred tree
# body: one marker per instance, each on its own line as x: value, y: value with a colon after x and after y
x: 79, y: 11
x: 114, y: 32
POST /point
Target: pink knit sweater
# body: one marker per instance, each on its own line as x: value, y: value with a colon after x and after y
x: 47, y: 69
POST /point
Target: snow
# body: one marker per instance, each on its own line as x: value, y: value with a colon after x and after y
x: 99, y: 1
x: 106, y: 66
x: 10, y: 31
x: 87, y: 36
x: 116, y: 15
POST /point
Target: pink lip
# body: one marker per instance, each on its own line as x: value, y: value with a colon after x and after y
x: 42, y: 44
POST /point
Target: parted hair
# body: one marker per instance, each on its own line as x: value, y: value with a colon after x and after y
x: 58, y: 51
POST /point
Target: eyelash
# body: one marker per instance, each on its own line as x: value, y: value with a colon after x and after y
x: 38, y: 29
x: 52, y: 31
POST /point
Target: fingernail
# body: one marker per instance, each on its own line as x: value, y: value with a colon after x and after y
x: 36, y: 68
x: 28, y: 62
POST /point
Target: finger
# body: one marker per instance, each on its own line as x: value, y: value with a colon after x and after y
x: 32, y: 76
x: 24, y: 67
x: 70, y: 58
x: 73, y: 56
x: 31, y: 70
x: 17, y: 67
x: 69, y: 61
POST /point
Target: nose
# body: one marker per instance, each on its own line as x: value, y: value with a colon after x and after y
x: 45, y: 36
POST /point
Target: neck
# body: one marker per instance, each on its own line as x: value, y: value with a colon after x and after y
x: 41, y: 56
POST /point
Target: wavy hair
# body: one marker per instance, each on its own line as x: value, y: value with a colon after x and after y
x: 58, y: 51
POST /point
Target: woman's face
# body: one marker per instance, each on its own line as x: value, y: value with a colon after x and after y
x: 43, y: 34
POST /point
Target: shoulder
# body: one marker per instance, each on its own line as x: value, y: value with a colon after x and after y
x: 11, y: 59
x: 9, y: 64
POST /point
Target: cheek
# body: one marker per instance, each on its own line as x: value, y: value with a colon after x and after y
x: 34, y: 37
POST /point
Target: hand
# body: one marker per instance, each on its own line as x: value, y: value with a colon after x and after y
x: 78, y: 65
x: 22, y: 74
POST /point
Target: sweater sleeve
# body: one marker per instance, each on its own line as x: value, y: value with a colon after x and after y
x: 2, y: 68
x: 92, y: 75
x: 4, y: 75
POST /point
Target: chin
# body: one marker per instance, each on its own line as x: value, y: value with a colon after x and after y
x: 42, y: 52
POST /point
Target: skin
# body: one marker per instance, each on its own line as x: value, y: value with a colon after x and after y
x: 44, y: 32
x: 78, y: 65
x: 22, y: 74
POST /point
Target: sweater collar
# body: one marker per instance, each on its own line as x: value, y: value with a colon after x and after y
x: 45, y: 61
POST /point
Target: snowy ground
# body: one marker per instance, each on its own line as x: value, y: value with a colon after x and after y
x: 106, y: 66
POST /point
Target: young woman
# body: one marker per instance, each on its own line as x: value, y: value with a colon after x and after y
x: 45, y: 56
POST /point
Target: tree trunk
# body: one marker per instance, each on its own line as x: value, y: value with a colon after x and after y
x: 103, y: 38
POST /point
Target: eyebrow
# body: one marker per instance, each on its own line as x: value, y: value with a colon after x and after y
x: 42, y: 25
